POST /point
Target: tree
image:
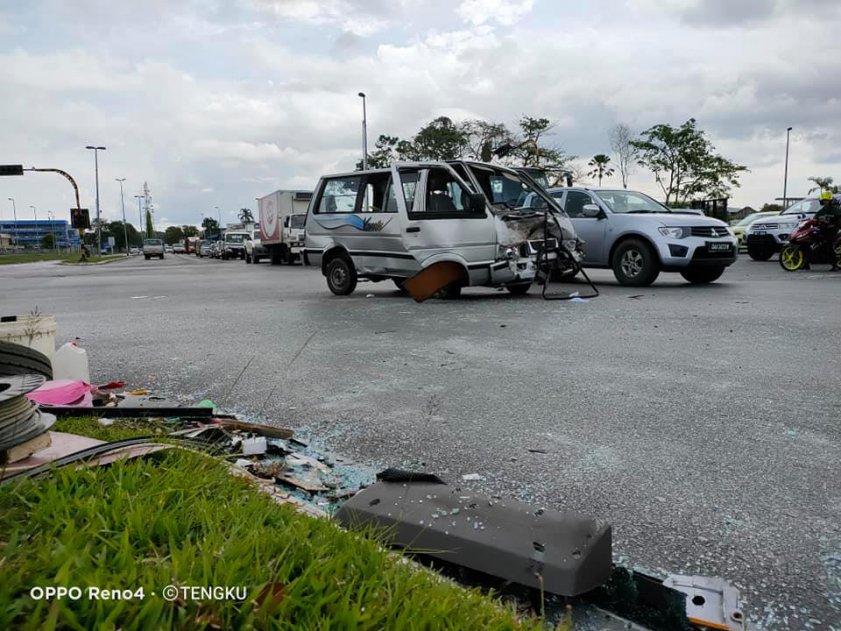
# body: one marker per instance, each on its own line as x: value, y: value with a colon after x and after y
x: 620, y: 142
x: 173, y: 235
x: 599, y: 165
x: 483, y: 138
x: 246, y: 216
x: 210, y: 225
x: 48, y: 242
x: 117, y: 231
x: 440, y: 139
x: 822, y: 184
x: 190, y: 231
x: 771, y: 208
x: 150, y: 230
x: 684, y: 163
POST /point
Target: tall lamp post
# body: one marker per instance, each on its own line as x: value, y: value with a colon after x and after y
x: 364, y: 133
x: 15, y: 216
x: 140, y: 228
x: 123, y: 204
x: 96, y: 151
x: 35, y: 228
x: 785, y: 177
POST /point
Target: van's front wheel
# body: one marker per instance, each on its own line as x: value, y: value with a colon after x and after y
x: 341, y: 276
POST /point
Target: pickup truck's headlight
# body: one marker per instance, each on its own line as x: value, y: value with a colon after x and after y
x: 673, y: 232
x: 789, y: 225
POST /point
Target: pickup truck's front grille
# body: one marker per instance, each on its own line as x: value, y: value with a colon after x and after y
x: 765, y: 226
x: 709, y: 231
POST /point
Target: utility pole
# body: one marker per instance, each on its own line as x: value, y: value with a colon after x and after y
x: 15, y: 216
x: 96, y: 151
x: 35, y: 228
x: 364, y: 133
x: 139, y: 214
x: 785, y: 177
x: 123, y: 203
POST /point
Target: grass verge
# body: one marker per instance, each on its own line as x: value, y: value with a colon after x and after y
x: 34, y: 257
x: 182, y: 519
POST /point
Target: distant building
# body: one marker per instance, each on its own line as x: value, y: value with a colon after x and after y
x: 29, y: 233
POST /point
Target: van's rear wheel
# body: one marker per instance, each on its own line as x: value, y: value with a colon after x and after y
x: 341, y: 276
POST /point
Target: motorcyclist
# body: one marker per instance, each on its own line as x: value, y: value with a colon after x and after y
x: 829, y: 217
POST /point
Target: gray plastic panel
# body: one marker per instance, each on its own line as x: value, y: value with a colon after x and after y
x: 507, y: 539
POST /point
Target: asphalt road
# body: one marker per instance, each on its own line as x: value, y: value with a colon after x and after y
x: 702, y: 422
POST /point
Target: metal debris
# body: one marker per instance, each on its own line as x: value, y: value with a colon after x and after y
x: 711, y: 602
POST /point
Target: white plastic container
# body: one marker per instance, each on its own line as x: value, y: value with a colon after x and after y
x: 71, y: 362
x: 34, y: 331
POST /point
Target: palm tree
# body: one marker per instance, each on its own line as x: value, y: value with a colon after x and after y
x: 246, y: 216
x: 599, y: 163
x: 822, y: 184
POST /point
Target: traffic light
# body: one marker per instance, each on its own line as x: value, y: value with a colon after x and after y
x: 11, y: 169
x: 80, y: 218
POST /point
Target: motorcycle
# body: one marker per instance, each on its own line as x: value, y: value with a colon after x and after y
x: 808, y: 244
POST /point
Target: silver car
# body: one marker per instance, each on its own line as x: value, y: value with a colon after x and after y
x: 639, y: 237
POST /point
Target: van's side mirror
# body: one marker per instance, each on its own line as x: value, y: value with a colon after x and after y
x: 591, y: 210
x: 476, y: 203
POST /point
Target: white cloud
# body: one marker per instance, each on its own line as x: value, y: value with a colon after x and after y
x: 505, y: 12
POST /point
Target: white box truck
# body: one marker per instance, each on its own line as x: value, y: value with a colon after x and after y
x: 282, y: 242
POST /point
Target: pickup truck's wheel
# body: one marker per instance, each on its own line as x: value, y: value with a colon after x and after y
x: 702, y: 275
x: 341, y: 276
x: 147, y: 256
x: 760, y: 252
x: 520, y: 289
x: 635, y: 264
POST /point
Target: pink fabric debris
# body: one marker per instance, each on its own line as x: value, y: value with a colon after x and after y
x: 63, y: 392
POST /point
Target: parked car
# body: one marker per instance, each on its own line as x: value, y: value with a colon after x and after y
x: 169, y: 249
x: 153, y: 247
x: 766, y: 237
x: 392, y: 223
x: 205, y: 249
x: 179, y: 248
x: 638, y: 237
x: 134, y: 251
x: 739, y: 227
x: 216, y: 249
x: 233, y: 245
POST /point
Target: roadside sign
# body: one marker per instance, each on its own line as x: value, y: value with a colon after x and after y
x: 11, y: 169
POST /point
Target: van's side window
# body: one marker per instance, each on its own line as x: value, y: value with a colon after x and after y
x: 409, y: 179
x: 376, y: 198
x: 339, y: 195
x: 444, y: 194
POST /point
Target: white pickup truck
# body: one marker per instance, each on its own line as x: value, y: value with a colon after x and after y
x: 153, y: 247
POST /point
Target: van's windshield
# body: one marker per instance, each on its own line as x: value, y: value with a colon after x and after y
x: 509, y: 190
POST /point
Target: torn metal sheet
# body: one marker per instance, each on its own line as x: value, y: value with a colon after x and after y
x: 255, y: 428
x: 711, y: 602
x: 562, y: 553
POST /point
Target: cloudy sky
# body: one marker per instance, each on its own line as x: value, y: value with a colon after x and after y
x: 217, y: 102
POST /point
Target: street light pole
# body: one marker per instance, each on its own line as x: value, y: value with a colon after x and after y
x: 15, y: 216
x: 35, y: 228
x: 364, y: 133
x: 139, y: 213
x: 123, y: 204
x: 96, y: 151
x: 785, y: 177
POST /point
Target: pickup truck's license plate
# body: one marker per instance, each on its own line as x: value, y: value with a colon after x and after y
x: 759, y: 232
x: 718, y: 247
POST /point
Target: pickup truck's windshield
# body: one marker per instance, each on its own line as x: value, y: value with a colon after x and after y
x: 507, y: 189
x: 630, y: 202
x: 803, y: 206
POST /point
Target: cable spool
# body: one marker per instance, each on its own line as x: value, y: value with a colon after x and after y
x: 20, y: 418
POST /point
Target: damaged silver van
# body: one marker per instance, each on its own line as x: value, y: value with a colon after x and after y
x: 395, y: 222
